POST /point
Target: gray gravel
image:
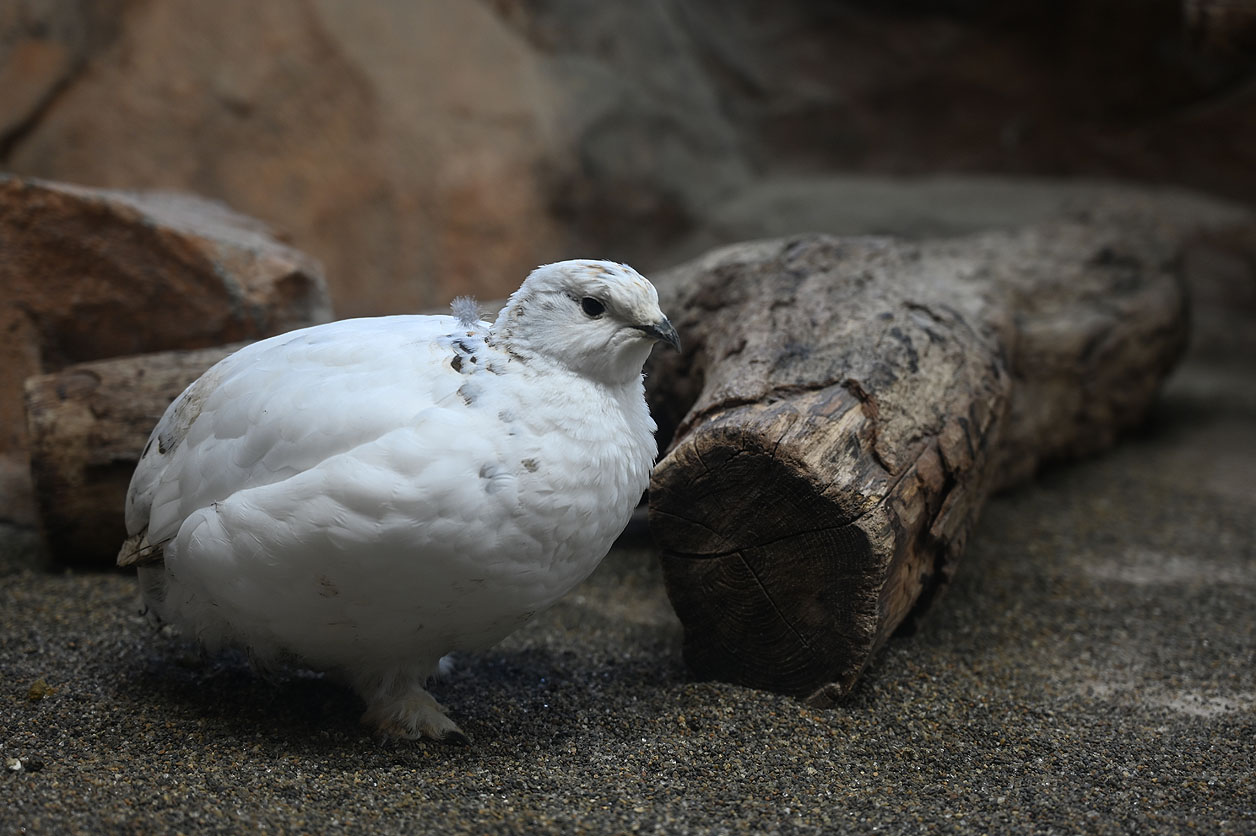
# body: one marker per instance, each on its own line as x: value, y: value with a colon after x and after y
x: 1091, y: 670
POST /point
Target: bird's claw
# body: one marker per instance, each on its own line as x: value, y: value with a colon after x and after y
x: 412, y: 716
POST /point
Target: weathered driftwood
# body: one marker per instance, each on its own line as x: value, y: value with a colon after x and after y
x: 87, y: 425
x: 845, y: 406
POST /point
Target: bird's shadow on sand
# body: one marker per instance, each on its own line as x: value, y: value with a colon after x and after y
x: 504, y: 698
x: 221, y: 694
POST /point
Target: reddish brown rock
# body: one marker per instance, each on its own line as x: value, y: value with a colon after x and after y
x: 86, y: 274
x: 422, y: 150
x: 402, y: 145
x: 44, y: 44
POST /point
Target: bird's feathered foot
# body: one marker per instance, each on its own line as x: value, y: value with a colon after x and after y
x: 408, y: 711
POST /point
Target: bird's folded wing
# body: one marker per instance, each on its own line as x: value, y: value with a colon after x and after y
x: 281, y: 406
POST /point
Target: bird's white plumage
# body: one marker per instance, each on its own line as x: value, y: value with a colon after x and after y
x: 370, y: 495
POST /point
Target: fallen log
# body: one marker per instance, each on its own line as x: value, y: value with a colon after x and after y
x: 87, y: 425
x: 845, y: 406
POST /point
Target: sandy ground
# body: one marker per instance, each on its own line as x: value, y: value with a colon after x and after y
x: 1090, y: 671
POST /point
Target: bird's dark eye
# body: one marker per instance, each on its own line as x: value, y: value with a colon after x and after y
x: 592, y: 307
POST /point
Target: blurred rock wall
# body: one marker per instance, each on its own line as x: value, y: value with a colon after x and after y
x: 422, y: 148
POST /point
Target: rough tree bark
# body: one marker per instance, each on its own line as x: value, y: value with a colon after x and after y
x: 87, y: 425
x: 845, y: 406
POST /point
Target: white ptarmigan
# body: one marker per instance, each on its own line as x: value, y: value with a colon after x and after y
x: 367, y: 496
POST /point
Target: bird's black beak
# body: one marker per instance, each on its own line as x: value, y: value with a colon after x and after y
x: 663, y: 331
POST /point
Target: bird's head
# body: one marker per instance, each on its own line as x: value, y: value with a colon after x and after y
x: 597, y: 318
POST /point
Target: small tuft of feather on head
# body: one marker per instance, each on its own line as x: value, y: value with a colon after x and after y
x: 467, y: 310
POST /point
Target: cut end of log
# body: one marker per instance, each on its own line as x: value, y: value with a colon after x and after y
x: 765, y: 601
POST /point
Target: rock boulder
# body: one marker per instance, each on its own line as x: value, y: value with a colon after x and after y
x: 87, y: 274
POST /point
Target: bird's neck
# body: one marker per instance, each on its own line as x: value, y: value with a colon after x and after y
x: 617, y: 369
